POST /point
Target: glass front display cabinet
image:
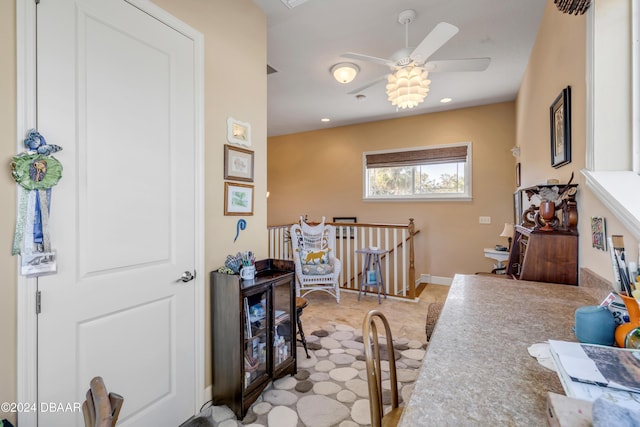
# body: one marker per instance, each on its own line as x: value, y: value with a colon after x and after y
x: 253, y: 328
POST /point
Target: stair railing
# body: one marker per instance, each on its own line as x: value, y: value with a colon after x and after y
x: 398, y: 265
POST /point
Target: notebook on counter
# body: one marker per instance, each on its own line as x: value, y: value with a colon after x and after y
x: 588, y: 371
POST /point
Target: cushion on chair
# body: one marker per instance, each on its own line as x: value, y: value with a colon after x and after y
x: 317, y: 269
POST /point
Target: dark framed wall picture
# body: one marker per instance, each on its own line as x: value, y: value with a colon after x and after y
x: 238, y: 163
x: 238, y: 199
x: 346, y: 231
x: 560, y: 121
x: 518, y: 174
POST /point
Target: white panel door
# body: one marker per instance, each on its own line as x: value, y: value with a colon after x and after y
x: 116, y: 91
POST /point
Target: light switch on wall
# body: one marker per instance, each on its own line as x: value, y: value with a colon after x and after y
x: 485, y: 220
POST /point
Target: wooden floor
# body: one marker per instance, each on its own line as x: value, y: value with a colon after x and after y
x: 407, y: 319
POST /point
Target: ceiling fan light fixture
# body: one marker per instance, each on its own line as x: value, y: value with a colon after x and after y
x: 408, y: 86
x: 344, y: 72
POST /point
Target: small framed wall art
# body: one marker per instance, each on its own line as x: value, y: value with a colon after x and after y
x: 238, y: 199
x: 598, y: 233
x: 560, y: 121
x: 238, y: 132
x: 238, y: 163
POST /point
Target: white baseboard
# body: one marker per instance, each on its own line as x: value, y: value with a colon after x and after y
x: 436, y: 280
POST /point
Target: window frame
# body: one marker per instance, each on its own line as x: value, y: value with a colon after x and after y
x: 616, y: 189
x: 463, y: 197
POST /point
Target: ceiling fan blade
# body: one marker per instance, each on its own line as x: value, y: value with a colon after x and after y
x: 368, y: 85
x: 367, y: 58
x: 441, y: 34
x: 471, y: 64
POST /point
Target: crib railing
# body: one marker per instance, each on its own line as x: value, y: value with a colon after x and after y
x: 398, y: 265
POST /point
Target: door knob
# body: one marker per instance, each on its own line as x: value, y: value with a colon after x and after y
x: 186, y: 277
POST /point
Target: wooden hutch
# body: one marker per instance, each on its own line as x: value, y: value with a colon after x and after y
x: 546, y: 250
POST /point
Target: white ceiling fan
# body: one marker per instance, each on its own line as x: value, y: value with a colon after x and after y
x: 408, y: 57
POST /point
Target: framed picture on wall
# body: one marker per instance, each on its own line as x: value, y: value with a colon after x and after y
x: 346, y: 231
x: 560, y: 123
x: 238, y: 132
x: 238, y: 199
x: 238, y: 163
x: 598, y: 233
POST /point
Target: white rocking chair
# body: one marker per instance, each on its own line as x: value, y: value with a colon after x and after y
x: 317, y: 268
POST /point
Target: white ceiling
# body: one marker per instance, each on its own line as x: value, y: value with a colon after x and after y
x: 305, y: 41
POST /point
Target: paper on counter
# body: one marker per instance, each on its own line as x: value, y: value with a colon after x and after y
x: 541, y: 352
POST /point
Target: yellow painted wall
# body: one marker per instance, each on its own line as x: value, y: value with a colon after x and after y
x: 239, y: 92
x: 7, y: 213
x: 320, y: 174
x: 558, y: 60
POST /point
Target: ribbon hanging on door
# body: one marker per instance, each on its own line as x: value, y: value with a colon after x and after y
x: 36, y: 171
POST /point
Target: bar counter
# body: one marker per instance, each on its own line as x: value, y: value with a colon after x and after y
x: 477, y: 370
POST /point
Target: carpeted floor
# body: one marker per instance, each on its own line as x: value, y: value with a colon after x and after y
x: 330, y: 388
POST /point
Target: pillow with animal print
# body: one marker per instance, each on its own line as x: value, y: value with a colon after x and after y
x: 314, y: 256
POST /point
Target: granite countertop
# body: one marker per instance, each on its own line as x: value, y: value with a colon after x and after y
x: 477, y: 370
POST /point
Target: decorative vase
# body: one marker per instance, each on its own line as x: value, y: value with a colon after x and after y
x: 548, y: 213
x: 573, y: 215
x: 627, y: 330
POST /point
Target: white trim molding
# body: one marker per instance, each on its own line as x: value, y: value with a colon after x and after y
x: 26, y: 118
x: 618, y: 191
x: 435, y: 280
x: 613, y: 140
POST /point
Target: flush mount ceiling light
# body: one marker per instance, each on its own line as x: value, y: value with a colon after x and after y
x: 408, y: 86
x: 344, y: 72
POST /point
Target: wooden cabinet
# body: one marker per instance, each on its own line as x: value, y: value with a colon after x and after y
x: 544, y: 256
x: 253, y: 328
x: 546, y: 251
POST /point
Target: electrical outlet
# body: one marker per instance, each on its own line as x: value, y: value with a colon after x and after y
x: 485, y: 220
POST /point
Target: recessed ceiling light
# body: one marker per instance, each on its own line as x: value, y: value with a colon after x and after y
x: 325, y: 120
x: 445, y: 100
